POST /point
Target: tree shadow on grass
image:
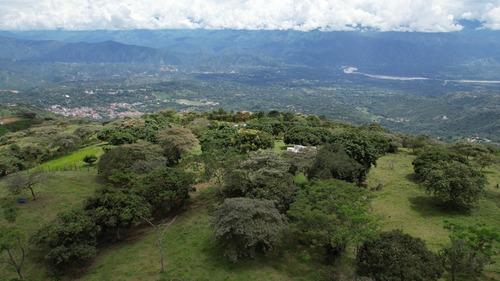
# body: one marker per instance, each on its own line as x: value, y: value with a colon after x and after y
x: 427, y: 206
x: 413, y: 177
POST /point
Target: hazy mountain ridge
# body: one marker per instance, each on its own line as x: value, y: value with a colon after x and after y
x: 388, y: 52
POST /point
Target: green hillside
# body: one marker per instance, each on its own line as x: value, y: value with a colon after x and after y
x: 167, y: 165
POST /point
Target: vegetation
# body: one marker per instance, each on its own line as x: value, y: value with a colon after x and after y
x: 332, y: 214
x: 245, y: 227
x: 12, y: 239
x: 259, y: 205
x: 397, y: 256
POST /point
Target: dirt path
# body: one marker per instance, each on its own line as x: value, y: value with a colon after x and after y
x: 9, y: 120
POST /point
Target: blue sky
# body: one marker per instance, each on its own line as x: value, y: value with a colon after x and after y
x: 383, y: 15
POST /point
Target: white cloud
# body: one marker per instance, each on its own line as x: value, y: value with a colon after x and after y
x: 384, y: 15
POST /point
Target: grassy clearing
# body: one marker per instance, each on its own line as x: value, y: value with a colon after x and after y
x: 62, y: 192
x: 279, y: 146
x: 402, y: 204
x: 73, y: 161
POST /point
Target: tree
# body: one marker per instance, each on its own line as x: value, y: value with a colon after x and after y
x: 333, y: 162
x: 70, y: 238
x: 219, y: 138
x: 430, y: 157
x: 304, y: 135
x: 165, y: 189
x: 87, y: 132
x: 264, y: 175
x: 120, y: 159
x: 65, y: 142
x: 331, y: 214
x: 455, y: 183
x: 218, y: 164
x: 9, y: 165
x: 252, y: 140
x: 468, y: 149
x: 460, y: 259
x: 90, y: 159
x: 472, y: 247
x: 11, y: 239
x: 246, y: 226
x: 159, y: 236
x: 176, y: 142
x: 359, y: 148
x: 397, y: 256
x: 21, y: 181
x: 484, y: 160
x: 116, y: 209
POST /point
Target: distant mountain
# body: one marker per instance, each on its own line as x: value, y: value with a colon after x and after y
x: 109, y: 52
x: 11, y: 48
x: 103, y: 52
x: 406, y: 53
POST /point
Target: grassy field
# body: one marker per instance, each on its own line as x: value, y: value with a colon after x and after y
x: 64, y: 191
x: 190, y: 253
x: 402, y: 204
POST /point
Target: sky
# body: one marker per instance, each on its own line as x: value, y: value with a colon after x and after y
x: 304, y: 15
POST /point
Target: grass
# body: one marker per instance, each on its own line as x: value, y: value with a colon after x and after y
x: 402, y: 204
x: 64, y: 191
x: 279, y: 146
x: 73, y: 161
x: 190, y: 254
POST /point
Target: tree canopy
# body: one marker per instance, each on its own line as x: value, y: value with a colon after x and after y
x: 244, y: 227
x: 165, y: 189
x: 397, y: 256
x: 331, y: 214
x: 455, y: 183
x: 176, y: 142
x: 264, y: 175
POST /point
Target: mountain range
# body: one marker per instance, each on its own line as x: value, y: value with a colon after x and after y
x: 384, y: 52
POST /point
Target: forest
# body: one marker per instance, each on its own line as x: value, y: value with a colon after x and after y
x: 239, y: 195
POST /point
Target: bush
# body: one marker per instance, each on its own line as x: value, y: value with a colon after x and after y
x: 90, y: 159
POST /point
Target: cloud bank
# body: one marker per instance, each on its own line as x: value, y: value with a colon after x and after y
x: 328, y: 15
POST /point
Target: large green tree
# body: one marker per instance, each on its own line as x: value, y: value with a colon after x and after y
x: 472, y: 247
x: 264, y: 175
x: 397, y: 256
x: 252, y: 140
x: 332, y: 161
x: 166, y: 189
x: 433, y: 156
x: 244, y: 227
x: 70, y: 239
x: 219, y: 138
x: 331, y: 214
x: 218, y: 164
x: 176, y: 142
x: 115, y: 210
x: 455, y: 183
x: 359, y: 148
